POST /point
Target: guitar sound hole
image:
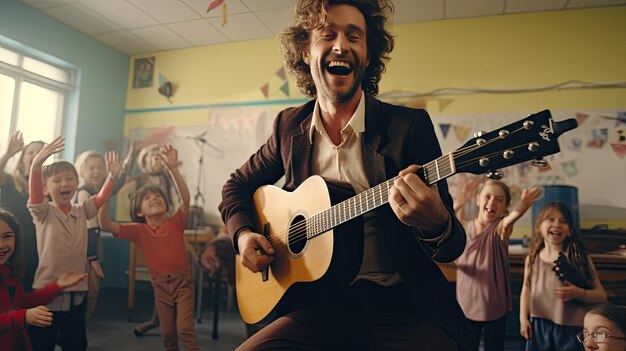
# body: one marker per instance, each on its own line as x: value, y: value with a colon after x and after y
x: 297, y: 234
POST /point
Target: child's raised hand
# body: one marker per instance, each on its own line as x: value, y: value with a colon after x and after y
x: 39, y: 316
x: 169, y: 155
x: 530, y: 195
x: 16, y: 143
x: 68, y: 279
x: 56, y: 146
x: 112, y: 163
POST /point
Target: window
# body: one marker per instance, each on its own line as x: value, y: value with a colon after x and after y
x: 33, y: 97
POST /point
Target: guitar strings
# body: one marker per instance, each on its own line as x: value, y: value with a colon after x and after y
x: 300, y: 230
x: 300, y: 233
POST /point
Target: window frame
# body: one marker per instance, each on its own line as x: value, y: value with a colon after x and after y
x: 21, y: 76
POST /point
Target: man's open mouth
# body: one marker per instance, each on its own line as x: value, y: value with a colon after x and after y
x: 340, y: 68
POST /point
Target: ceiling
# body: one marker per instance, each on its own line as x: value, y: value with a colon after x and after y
x: 142, y: 26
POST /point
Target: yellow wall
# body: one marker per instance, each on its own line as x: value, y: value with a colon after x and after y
x: 515, y: 52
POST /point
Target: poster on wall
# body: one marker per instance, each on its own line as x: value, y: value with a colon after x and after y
x: 592, y: 158
x: 143, y: 72
x: 209, y: 150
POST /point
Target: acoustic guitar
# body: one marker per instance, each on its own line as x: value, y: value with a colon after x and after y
x: 316, y: 230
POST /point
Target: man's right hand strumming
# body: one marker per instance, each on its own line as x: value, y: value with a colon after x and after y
x: 255, y: 251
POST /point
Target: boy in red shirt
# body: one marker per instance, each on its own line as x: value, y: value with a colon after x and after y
x: 161, y: 240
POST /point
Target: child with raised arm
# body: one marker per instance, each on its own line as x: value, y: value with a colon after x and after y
x: 17, y: 307
x: 62, y: 242
x: 552, y: 311
x: 14, y: 195
x: 161, y: 240
x: 91, y: 167
x: 483, y: 285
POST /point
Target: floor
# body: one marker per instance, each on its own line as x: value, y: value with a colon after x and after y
x: 109, y: 328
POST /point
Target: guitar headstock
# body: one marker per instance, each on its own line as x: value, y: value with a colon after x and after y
x: 530, y: 138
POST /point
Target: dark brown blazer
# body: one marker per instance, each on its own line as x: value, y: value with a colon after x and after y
x: 395, y: 137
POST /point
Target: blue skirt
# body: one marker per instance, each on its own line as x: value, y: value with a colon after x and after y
x: 547, y: 336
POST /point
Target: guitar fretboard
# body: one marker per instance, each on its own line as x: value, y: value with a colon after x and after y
x: 372, y: 198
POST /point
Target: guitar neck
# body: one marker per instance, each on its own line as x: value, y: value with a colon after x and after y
x: 431, y: 173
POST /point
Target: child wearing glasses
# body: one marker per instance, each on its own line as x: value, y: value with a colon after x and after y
x: 559, y: 280
x: 604, y: 328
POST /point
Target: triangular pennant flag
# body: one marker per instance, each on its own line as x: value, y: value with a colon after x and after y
x: 416, y: 103
x: 581, y: 118
x: 621, y: 118
x: 285, y: 88
x: 445, y: 127
x: 444, y: 103
x: 214, y: 4
x: 461, y: 132
x: 265, y: 89
x: 281, y: 73
x: 619, y: 150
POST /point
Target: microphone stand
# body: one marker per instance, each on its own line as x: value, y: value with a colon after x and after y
x: 198, y: 198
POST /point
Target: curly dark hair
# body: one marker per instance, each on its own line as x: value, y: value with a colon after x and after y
x: 311, y: 15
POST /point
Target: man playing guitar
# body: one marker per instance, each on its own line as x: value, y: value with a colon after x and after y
x: 396, y: 298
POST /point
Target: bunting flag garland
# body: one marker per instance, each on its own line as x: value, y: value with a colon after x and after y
x: 445, y: 128
x: 619, y: 150
x: 265, y: 89
x: 461, y: 133
x: 598, y: 138
x: 282, y: 84
x: 581, y: 118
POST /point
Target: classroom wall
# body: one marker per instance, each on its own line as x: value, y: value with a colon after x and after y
x: 525, y: 52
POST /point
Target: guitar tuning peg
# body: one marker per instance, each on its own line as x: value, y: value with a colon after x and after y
x: 495, y: 174
x: 540, y: 162
x: 479, y: 133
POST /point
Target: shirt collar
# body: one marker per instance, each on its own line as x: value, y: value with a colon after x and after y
x: 357, y: 121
